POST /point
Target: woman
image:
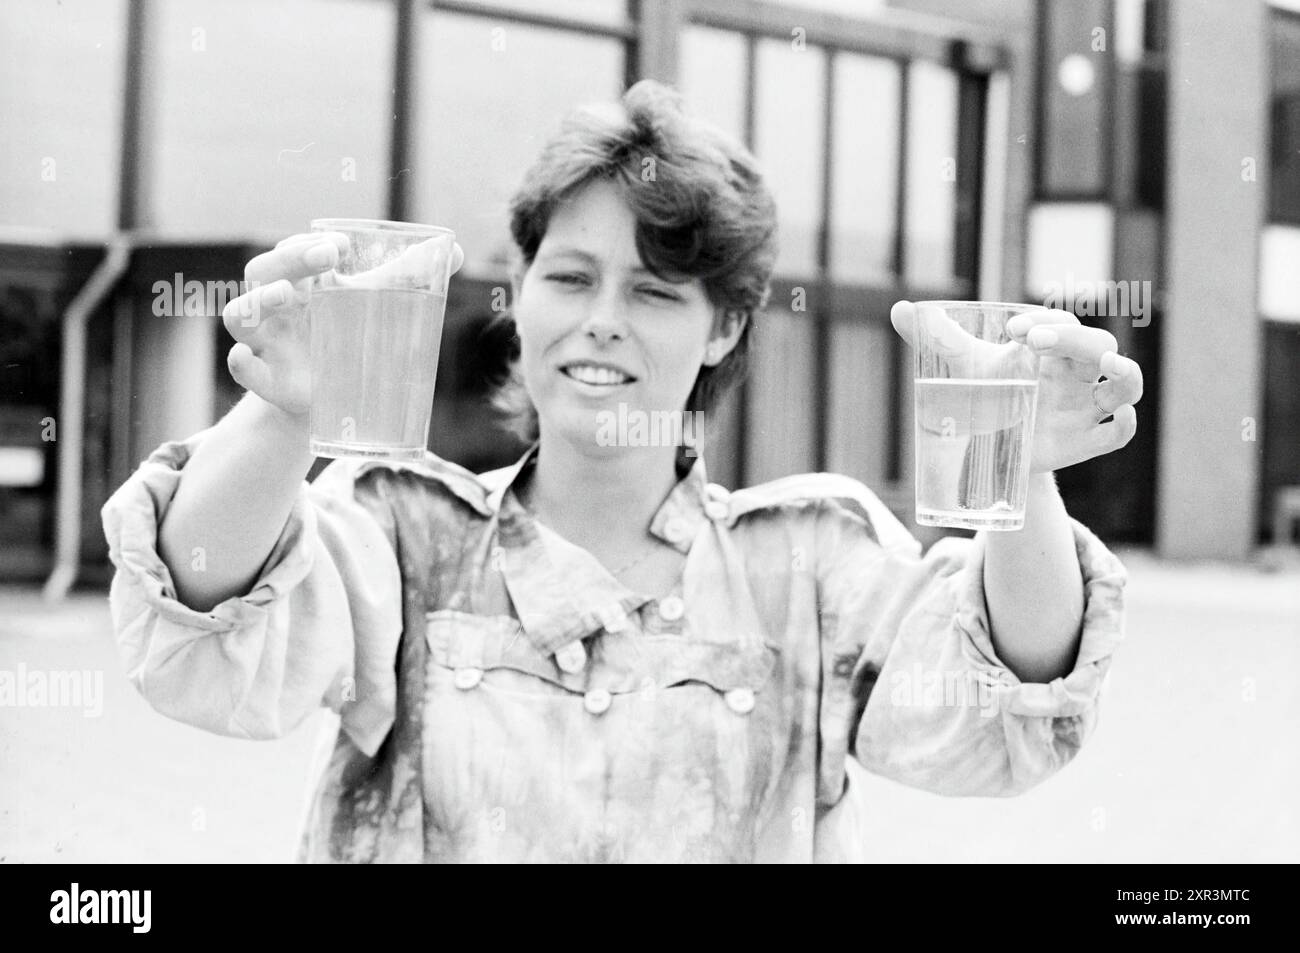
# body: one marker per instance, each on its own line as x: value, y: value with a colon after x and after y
x: 596, y: 654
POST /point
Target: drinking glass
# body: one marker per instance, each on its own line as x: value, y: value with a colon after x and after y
x: 376, y: 330
x: 976, y: 395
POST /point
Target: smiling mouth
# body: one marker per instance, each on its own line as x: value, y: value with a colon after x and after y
x: 596, y: 375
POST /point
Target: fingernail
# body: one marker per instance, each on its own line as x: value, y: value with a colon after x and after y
x: 1043, y: 337
x: 320, y: 256
x: 1125, y: 366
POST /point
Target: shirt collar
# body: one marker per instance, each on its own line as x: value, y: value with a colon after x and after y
x: 560, y: 591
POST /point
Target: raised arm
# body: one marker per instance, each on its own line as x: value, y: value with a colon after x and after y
x: 914, y: 686
x: 234, y: 498
x: 232, y: 503
x: 1032, y: 579
x: 236, y: 493
x: 244, y: 598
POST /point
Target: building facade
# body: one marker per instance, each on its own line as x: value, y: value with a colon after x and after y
x: 1129, y: 159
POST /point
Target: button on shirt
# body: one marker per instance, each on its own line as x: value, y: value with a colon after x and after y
x: 479, y: 662
x: 716, y: 510
x: 572, y: 658
x: 671, y: 608
x: 597, y: 701
x: 467, y: 678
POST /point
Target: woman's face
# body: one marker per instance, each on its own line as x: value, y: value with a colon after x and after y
x: 597, y: 328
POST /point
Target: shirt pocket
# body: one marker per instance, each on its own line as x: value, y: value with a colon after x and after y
x: 660, y: 747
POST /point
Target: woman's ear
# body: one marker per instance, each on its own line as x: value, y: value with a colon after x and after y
x: 727, y: 329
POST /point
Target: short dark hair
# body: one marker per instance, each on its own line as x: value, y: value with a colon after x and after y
x: 701, y: 205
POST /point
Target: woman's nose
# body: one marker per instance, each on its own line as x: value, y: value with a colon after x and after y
x: 604, y: 334
x: 604, y: 320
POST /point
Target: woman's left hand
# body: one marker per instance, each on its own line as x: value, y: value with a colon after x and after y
x: 1068, y: 428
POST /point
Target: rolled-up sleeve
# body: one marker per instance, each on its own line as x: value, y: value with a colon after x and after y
x: 913, y: 687
x: 320, y: 626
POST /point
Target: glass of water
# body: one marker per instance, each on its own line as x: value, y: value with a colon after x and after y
x: 976, y: 396
x: 375, y: 322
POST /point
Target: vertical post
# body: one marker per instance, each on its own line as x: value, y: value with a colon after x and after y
x: 173, y: 360
x: 972, y: 89
x: 894, y: 451
x: 401, y: 151
x: 1209, y: 466
x: 120, y: 460
x: 133, y: 173
x: 658, y: 36
x: 751, y: 125
x: 131, y: 209
x: 1021, y: 111
x: 822, y: 313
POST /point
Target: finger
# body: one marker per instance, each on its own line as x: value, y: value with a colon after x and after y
x: 1108, y: 437
x: 457, y: 258
x: 942, y: 335
x: 1025, y: 321
x: 242, y: 316
x: 295, y: 260
x: 416, y: 267
x: 903, y: 317
x: 248, y: 370
x: 419, y: 265
x: 1123, y: 384
x: 948, y: 349
x: 300, y: 237
x: 1074, y: 342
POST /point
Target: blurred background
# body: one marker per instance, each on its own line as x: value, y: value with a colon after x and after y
x: 1137, y: 161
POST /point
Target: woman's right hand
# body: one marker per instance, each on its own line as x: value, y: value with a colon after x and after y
x: 272, y: 353
x: 271, y: 356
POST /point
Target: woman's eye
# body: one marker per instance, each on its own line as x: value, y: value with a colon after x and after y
x: 659, y: 293
x: 568, y: 278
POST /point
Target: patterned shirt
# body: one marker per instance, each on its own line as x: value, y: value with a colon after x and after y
x: 502, y: 697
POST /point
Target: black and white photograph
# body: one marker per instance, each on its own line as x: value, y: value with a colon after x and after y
x: 651, y: 432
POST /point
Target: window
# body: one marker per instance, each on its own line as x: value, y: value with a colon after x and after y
x: 61, y: 82
x: 931, y: 217
x: 781, y: 434
x: 491, y: 93
x: 1284, y: 182
x: 244, y: 148
x: 827, y: 386
x: 713, y: 77
x: 865, y: 169
x: 788, y: 141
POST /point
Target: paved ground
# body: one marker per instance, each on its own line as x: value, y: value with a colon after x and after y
x: 1196, y: 757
